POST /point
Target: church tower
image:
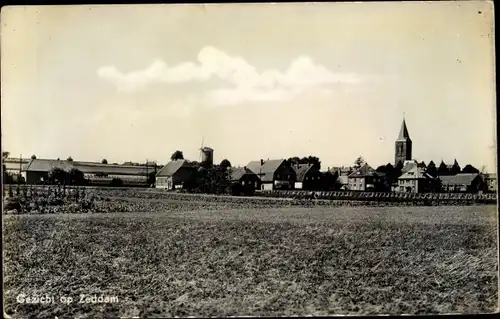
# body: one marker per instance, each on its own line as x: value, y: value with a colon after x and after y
x: 403, y: 145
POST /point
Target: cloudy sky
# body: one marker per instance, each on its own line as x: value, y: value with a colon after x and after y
x: 256, y: 81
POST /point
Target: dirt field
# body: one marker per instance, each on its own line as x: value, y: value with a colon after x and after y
x: 260, y: 262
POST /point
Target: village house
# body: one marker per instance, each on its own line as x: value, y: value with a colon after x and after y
x: 274, y: 174
x: 342, y: 173
x: 463, y: 183
x: 491, y: 182
x: 243, y: 181
x: 366, y: 178
x: 175, y: 174
x: 308, y: 177
x: 415, y: 180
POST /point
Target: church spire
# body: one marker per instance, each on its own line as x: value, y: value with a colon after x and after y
x: 403, y: 133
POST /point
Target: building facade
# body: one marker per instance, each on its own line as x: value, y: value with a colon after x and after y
x: 175, y: 174
x: 243, y: 181
x: 308, y: 177
x: 415, y: 180
x: 463, y: 183
x: 366, y: 178
x: 274, y: 174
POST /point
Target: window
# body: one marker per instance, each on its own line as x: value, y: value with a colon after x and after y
x: 307, y: 178
x: 243, y: 183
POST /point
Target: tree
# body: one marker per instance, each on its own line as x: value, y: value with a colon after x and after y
x: 33, y: 156
x: 69, y: 159
x: 382, y: 169
x: 177, y: 155
x: 116, y: 182
x: 312, y: 160
x: 470, y: 169
x: 431, y: 169
x: 359, y: 162
x: 225, y: 163
x: 76, y: 177
x: 104, y: 161
x: 57, y: 176
x: 422, y: 164
x: 294, y: 160
x: 455, y: 169
x: 5, y: 154
x: 443, y: 169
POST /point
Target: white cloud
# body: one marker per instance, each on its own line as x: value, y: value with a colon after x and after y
x: 247, y: 83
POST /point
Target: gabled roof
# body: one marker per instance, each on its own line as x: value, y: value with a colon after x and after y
x: 173, y: 166
x: 301, y: 171
x: 267, y: 170
x: 365, y: 171
x: 403, y: 133
x: 414, y: 171
x: 238, y: 172
x: 93, y: 168
x: 459, y: 179
x: 45, y: 165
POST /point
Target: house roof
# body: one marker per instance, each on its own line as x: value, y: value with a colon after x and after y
x: 45, y: 165
x: 342, y: 171
x: 238, y: 172
x: 414, y: 171
x: 301, y: 171
x: 365, y: 171
x: 93, y: 168
x: 173, y: 166
x: 403, y: 133
x: 459, y: 179
x: 267, y: 170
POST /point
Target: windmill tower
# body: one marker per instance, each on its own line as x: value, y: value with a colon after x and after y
x: 206, y: 155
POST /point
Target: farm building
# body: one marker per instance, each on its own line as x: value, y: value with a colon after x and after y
x: 37, y: 172
x: 108, y: 174
x: 463, y: 183
x: 366, y: 178
x: 308, y: 177
x: 243, y: 180
x: 14, y: 166
x: 274, y: 174
x: 415, y: 180
x: 175, y: 174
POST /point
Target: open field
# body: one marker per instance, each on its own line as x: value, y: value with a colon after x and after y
x: 231, y: 260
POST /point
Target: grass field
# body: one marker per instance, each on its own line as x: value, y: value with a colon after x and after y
x: 260, y: 262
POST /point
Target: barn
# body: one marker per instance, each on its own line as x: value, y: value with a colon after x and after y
x: 175, y: 174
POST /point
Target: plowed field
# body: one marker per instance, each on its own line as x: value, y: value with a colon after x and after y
x: 222, y: 261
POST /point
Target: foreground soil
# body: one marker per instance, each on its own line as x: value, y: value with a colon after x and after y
x: 259, y: 262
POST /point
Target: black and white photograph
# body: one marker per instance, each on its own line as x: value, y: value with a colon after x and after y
x: 249, y: 159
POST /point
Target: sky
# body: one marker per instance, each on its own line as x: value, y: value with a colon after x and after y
x: 252, y: 81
